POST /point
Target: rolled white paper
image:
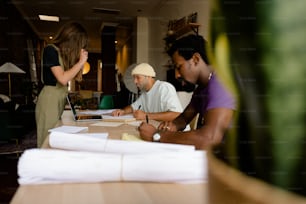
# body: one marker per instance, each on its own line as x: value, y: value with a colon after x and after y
x: 80, y: 142
x: 42, y: 166
x: 39, y: 166
x: 76, y: 142
x: 166, y: 167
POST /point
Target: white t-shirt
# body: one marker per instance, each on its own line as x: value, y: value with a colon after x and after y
x: 161, y: 97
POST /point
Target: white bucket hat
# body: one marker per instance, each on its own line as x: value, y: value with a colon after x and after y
x: 144, y: 69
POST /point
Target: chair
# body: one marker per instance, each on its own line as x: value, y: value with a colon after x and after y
x: 87, y: 99
x: 107, y: 102
x: 185, y: 98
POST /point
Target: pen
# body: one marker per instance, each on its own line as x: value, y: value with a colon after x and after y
x: 139, y: 107
x: 147, y: 118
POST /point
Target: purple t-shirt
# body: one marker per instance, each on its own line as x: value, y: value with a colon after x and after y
x: 214, y: 95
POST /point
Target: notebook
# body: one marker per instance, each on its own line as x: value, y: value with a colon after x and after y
x: 82, y: 117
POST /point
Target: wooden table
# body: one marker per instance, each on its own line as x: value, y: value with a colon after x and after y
x: 110, y: 192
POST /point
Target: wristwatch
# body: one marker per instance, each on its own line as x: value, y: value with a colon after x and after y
x: 156, y: 137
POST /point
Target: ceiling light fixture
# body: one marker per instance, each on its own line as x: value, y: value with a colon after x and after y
x: 48, y: 18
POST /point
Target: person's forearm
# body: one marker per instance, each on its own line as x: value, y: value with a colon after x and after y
x: 63, y: 76
x: 127, y: 109
x: 194, y: 137
x: 67, y: 75
x: 180, y: 123
x: 163, y: 116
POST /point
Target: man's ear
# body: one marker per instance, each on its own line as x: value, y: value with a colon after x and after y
x: 196, y: 58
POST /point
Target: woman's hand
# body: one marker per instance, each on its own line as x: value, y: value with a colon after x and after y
x: 83, y: 56
x: 82, y: 60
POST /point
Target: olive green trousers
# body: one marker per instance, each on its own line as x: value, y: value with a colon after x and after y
x: 49, y: 108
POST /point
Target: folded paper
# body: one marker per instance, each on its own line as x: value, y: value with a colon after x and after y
x: 47, y: 166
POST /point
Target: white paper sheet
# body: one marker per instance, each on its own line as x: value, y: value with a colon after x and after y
x: 128, y: 116
x: 80, y: 142
x: 68, y: 129
x: 135, y: 123
x: 43, y: 166
x: 122, y: 118
x: 107, y: 124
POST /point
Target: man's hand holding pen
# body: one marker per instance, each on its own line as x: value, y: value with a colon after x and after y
x: 139, y: 115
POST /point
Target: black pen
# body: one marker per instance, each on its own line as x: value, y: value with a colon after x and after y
x: 147, y: 118
x: 139, y: 107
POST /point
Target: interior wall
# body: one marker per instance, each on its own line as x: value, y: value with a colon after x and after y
x: 158, y: 22
x: 142, y: 40
x: 124, y: 49
x: 146, y: 42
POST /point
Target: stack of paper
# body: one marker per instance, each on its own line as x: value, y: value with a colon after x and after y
x: 41, y: 166
x: 81, y: 142
x: 123, y: 118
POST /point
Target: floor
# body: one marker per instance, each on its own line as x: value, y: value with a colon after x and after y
x: 9, y: 155
x: 8, y: 177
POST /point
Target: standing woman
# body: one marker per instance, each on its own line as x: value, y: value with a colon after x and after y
x: 62, y: 61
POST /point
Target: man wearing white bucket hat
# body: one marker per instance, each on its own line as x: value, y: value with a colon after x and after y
x: 158, y: 100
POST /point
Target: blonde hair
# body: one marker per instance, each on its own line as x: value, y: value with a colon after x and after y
x: 70, y: 39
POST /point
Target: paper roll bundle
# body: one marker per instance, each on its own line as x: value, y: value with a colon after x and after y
x: 38, y: 166
x: 80, y: 142
x: 46, y: 166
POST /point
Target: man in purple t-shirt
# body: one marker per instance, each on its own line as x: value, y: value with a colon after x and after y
x: 214, y: 103
x: 213, y: 96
